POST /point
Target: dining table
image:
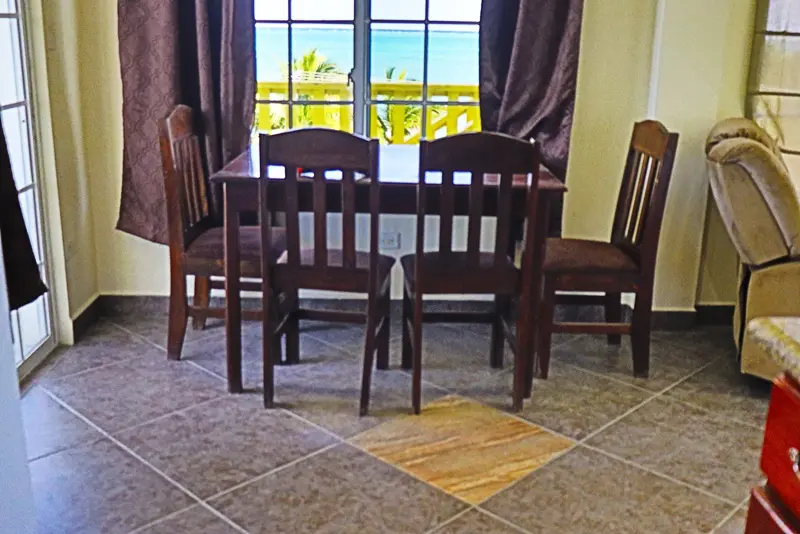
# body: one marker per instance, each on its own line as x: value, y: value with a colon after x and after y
x: 398, y: 176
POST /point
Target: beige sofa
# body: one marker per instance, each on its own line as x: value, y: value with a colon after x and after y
x: 760, y: 205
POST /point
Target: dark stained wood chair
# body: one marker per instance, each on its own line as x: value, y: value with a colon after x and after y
x: 487, y: 160
x: 626, y: 264
x: 331, y: 161
x: 196, y: 237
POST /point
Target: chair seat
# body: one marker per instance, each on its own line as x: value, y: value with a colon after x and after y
x: 209, y: 248
x: 333, y: 276
x: 585, y: 256
x: 448, y: 272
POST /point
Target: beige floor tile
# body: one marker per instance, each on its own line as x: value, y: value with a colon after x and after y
x: 585, y: 492
x: 735, y: 525
x: 341, y: 491
x: 99, y: 489
x: 690, y: 445
x: 195, y: 520
x: 476, y: 522
x: 467, y: 449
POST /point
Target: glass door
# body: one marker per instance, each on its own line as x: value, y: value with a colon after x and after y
x: 31, y: 325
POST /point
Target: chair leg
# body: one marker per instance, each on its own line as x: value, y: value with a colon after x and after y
x: 178, y: 315
x: 416, y: 386
x: 545, y: 326
x: 293, y: 332
x: 385, y: 332
x: 270, y: 350
x: 202, y: 297
x: 640, y: 334
x: 521, y: 357
x: 408, y: 349
x: 613, y: 309
x: 501, y: 306
x: 369, y: 353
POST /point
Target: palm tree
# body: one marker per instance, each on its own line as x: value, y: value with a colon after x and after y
x: 412, y: 115
x: 315, y: 63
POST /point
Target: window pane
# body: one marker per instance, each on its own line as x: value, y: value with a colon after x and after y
x: 444, y: 120
x: 27, y: 201
x: 396, y: 124
x: 780, y: 116
x: 338, y: 117
x: 323, y: 9
x: 15, y: 341
x: 272, y: 61
x: 33, y: 324
x: 779, y: 65
x: 272, y: 118
x: 272, y: 9
x: 11, y: 88
x: 397, y: 52
x: 323, y: 55
x: 7, y: 6
x: 15, y: 126
x: 453, y: 60
x: 398, y: 10
x: 455, y: 10
x: 781, y: 15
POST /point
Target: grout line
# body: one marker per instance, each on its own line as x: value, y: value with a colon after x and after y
x: 451, y: 520
x: 147, y: 464
x: 140, y: 337
x: 658, y: 474
x: 272, y: 472
x: 334, y: 435
x: 730, y: 515
x: 45, y: 379
x: 720, y: 417
x: 167, y: 415
x: 199, y: 367
x: 162, y: 519
x: 502, y: 520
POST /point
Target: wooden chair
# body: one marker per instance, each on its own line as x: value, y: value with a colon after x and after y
x: 196, y: 238
x: 321, y: 153
x: 483, y: 156
x: 626, y: 263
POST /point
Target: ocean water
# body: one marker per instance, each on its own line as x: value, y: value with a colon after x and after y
x: 453, y: 55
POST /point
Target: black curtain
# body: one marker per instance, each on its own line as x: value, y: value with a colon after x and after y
x: 528, y: 71
x: 23, y: 281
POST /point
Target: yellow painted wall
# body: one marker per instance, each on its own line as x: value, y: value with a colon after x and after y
x: 614, y: 86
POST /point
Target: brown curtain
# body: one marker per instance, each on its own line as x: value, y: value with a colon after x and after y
x: 528, y: 70
x: 195, y: 52
x: 23, y: 280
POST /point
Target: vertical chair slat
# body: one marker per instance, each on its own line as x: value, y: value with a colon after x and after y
x: 446, y: 212
x: 292, y: 217
x: 348, y: 219
x: 475, y: 218
x: 200, y: 182
x: 503, y: 231
x: 320, y: 220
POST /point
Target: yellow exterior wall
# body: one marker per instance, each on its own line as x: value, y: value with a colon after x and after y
x: 695, y: 64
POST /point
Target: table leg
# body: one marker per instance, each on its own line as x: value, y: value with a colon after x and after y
x: 539, y: 246
x: 233, y: 304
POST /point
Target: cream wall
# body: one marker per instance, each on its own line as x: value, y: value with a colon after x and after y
x: 622, y: 78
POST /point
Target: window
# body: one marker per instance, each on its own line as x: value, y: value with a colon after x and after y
x: 394, y: 70
x: 31, y: 326
x: 774, y: 88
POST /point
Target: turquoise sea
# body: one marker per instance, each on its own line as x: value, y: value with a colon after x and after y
x: 453, y: 55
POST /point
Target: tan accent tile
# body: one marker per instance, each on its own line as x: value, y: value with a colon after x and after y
x: 463, y: 447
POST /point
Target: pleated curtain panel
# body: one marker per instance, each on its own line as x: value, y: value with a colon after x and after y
x: 528, y: 73
x: 200, y: 53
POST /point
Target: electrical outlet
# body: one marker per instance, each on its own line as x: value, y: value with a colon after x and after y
x: 390, y: 241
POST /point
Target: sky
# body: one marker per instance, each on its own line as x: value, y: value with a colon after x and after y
x: 458, y: 10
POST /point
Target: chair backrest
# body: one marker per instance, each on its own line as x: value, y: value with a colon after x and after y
x: 758, y: 199
x: 319, y: 153
x: 188, y: 213
x: 643, y: 194
x: 494, y: 164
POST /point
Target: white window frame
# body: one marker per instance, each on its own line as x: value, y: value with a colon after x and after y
x: 361, y: 73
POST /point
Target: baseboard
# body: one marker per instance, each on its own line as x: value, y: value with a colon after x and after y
x: 84, y: 320
x: 715, y: 315
x: 573, y: 308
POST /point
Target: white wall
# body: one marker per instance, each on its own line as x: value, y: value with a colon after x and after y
x: 16, y: 498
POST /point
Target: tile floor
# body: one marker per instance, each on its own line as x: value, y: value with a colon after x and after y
x: 121, y: 440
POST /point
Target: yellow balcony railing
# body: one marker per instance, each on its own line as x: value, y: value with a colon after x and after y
x: 391, y: 123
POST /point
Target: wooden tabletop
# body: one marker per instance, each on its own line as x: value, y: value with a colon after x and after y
x: 399, y: 164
